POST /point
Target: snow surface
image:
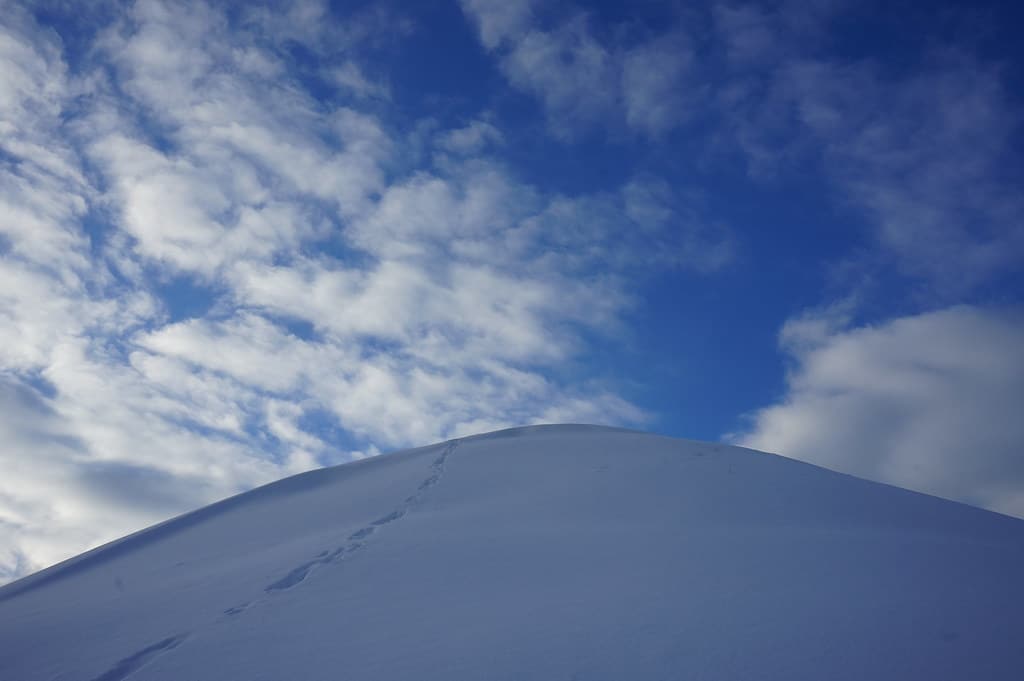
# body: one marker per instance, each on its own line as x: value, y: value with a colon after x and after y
x: 553, y: 552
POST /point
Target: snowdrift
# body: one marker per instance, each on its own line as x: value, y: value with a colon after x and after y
x: 552, y: 552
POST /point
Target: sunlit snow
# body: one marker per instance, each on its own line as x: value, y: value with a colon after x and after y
x: 559, y: 552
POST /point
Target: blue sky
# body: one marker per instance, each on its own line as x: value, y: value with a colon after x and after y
x: 238, y: 241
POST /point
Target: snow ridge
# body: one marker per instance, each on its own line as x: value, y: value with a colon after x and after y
x: 296, y: 576
x: 548, y: 552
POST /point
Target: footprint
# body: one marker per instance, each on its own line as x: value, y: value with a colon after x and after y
x: 292, y: 578
x: 362, y: 534
x: 430, y: 482
x: 389, y: 518
x: 134, y: 662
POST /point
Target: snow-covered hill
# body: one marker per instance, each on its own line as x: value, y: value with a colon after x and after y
x: 553, y: 552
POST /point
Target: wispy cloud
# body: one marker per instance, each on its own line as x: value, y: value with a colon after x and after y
x: 471, y: 139
x: 583, y: 81
x: 352, y: 78
x: 922, y: 153
x: 922, y: 156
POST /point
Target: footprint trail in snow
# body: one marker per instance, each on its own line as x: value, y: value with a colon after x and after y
x: 126, y: 667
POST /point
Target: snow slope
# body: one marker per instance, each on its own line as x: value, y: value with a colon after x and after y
x: 553, y: 552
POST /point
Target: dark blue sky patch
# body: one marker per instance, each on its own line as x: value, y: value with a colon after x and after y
x: 325, y: 425
x: 300, y: 328
x: 184, y: 296
x: 443, y: 78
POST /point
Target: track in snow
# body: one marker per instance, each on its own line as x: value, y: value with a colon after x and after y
x: 134, y: 662
x: 297, y: 575
x: 355, y: 540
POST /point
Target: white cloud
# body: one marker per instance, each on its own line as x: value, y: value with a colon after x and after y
x: 352, y: 78
x: 585, y: 82
x: 36, y: 311
x: 41, y: 203
x: 930, y: 402
x: 471, y: 139
x: 242, y: 347
x: 498, y: 20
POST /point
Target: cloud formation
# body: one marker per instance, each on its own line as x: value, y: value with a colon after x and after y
x: 583, y: 81
x: 921, y: 152
x: 212, y: 276
x: 930, y: 402
x: 922, y: 157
